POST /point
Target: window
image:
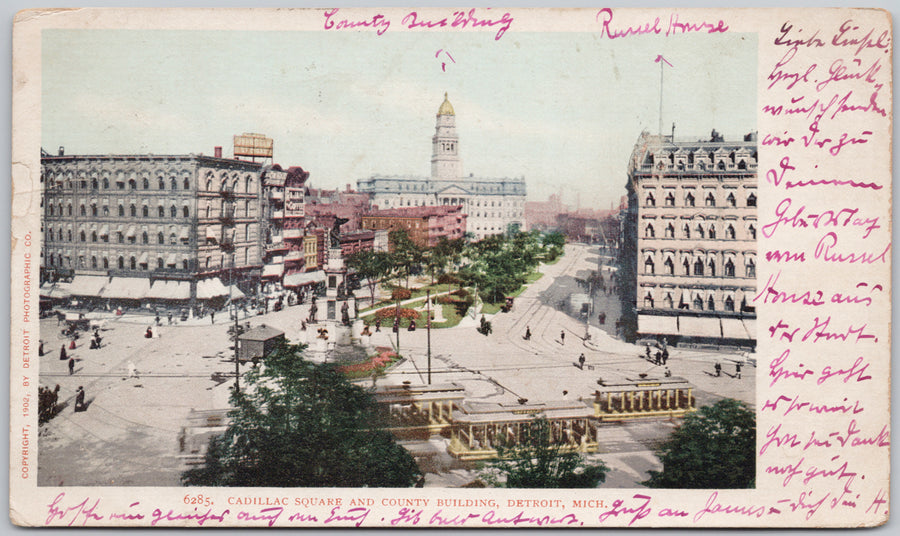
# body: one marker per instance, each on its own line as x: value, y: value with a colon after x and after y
x: 94, y: 209
x: 173, y: 211
x: 687, y: 231
x: 185, y: 212
x: 648, y: 266
x: 670, y: 266
x: 187, y: 183
x: 145, y: 238
x: 161, y: 212
x: 69, y: 235
x: 751, y: 267
x: 711, y: 304
x: 93, y: 236
x: 710, y: 200
x: 751, y: 200
x: 712, y: 267
x: 94, y: 263
x: 105, y: 211
x: 82, y: 237
x: 649, y: 232
x: 173, y: 183
x: 729, y: 268
x: 742, y: 164
x: 132, y: 210
x: 132, y: 263
x: 730, y: 200
x: 720, y: 166
x: 648, y: 300
x: 105, y: 263
x: 160, y: 238
x: 159, y: 263
x: 121, y: 210
x: 132, y: 184
x: 145, y: 211
x: 698, y: 303
x: 670, y: 199
x: 729, y: 232
x: 69, y: 210
x: 689, y: 200
x: 698, y: 267
x: 670, y: 304
x: 700, y: 232
x: 94, y: 184
x: 173, y: 239
x: 650, y: 201
x: 161, y: 184
x: 729, y: 303
x: 184, y: 264
x: 121, y: 263
x: 120, y: 237
x: 105, y: 183
x: 146, y: 183
x: 752, y: 230
x: 82, y: 210
x: 712, y: 231
x: 687, y: 267
x: 51, y: 210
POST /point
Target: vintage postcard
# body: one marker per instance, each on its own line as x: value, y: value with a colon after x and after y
x: 358, y: 267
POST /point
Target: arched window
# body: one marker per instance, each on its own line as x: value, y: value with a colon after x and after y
x: 710, y: 304
x: 729, y: 268
x: 173, y: 183
x: 248, y: 185
x: 121, y: 263
x: 161, y: 183
x: 208, y: 208
x: 648, y: 266
x: 173, y: 239
x: 729, y: 303
x: 730, y: 200
x: 669, y: 303
x: 670, y: 266
x: 69, y: 210
x: 751, y: 267
x: 698, y: 267
x: 94, y: 184
x: 751, y: 200
x: 82, y: 237
x: 648, y: 300
x: 94, y: 263
x: 687, y: 231
x: 209, y: 185
x: 721, y: 165
x: 700, y: 232
x: 159, y: 263
x: 670, y: 230
x: 689, y: 200
x: 712, y: 231
x: 173, y: 211
x: 146, y: 183
x: 105, y: 263
x: 650, y: 201
x: 69, y: 235
x: 185, y: 212
x: 184, y: 264
x: 82, y: 210
x: 105, y: 211
x: 93, y: 236
x: 687, y: 266
x: 698, y: 303
x: 729, y: 232
x: 742, y: 164
x: 670, y: 199
x: 132, y: 210
x: 752, y: 230
x: 160, y: 238
x: 132, y: 263
x: 105, y: 183
x: 132, y: 184
x: 712, y: 267
x: 50, y: 208
x: 710, y: 199
x: 187, y: 183
x: 94, y: 209
x: 145, y: 211
x: 649, y: 232
x: 161, y: 211
x: 145, y: 238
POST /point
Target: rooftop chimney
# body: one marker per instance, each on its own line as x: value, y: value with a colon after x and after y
x: 217, y: 152
x: 62, y: 151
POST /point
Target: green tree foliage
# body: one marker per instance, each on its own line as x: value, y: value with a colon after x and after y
x: 300, y: 424
x: 372, y: 265
x: 714, y: 448
x: 406, y: 254
x: 536, y: 462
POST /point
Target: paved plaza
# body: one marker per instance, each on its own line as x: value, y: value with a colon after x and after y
x: 129, y: 434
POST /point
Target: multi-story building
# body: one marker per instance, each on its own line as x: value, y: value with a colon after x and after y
x: 425, y: 225
x: 144, y: 227
x: 689, y: 264
x: 274, y: 245
x: 493, y: 206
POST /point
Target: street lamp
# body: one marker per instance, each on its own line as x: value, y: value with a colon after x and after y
x: 428, y: 329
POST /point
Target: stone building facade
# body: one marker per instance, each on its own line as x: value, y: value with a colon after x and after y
x: 142, y: 219
x: 424, y: 225
x: 492, y: 206
x: 689, y: 252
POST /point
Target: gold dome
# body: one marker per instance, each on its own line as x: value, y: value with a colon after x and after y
x: 446, y: 108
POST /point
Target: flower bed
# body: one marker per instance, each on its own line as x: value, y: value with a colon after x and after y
x: 373, y: 365
x: 391, y: 312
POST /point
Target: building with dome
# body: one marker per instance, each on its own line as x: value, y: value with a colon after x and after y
x: 688, y: 261
x: 492, y: 205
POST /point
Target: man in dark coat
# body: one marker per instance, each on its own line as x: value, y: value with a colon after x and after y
x: 71, y: 366
x: 79, y: 399
x: 62, y: 353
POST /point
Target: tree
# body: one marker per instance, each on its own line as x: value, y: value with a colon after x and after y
x: 301, y: 424
x: 372, y: 265
x: 406, y: 254
x: 714, y: 448
x: 537, y: 462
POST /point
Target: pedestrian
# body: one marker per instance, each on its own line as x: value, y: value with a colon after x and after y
x: 40, y: 348
x: 79, y: 399
x: 657, y: 357
x: 718, y: 369
x: 665, y: 355
x: 668, y: 373
x: 647, y: 350
x: 157, y: 319
x: 737, y: 370
x: 149, y: 333
x: 581, y: 361
x: 212, y: 317
x: 71, y: 366
x: 72, y: 344
x: 62, y: 353
x: 527, y: 333
x: 562, y: 336
x: 169, y: 316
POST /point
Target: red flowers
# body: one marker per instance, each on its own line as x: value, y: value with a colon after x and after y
x: 375, y: 363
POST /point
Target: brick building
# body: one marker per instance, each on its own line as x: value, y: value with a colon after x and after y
x: 425, y: 225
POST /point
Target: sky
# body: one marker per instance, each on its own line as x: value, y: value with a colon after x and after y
x: 562, y: 110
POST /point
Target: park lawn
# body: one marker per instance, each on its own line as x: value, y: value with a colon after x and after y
x: 450, y: 316
x: 489, y: 308
x: 418, y: 293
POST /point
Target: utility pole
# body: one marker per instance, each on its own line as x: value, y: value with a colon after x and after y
x: 397, y: 324
x: 428, y: 329
x: 237, y: 361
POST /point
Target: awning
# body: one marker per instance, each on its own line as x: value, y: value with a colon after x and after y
x: 273, y: 270
x: 211, y: 288
x: 89, y: 285
x: 170, y: 260
x: 185, y: 233
x: 144, y: 258
x: 56, y: 290
x: 131, y: 231
x: 130, y: 288
x: 734, y: 328
x: 657, y: 325
x: 304, y: 278
x: 693, y: 326
x: 212, y: 233
x: 170, y: 290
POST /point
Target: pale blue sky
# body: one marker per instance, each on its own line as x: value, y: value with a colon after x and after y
x: 562, y: 109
